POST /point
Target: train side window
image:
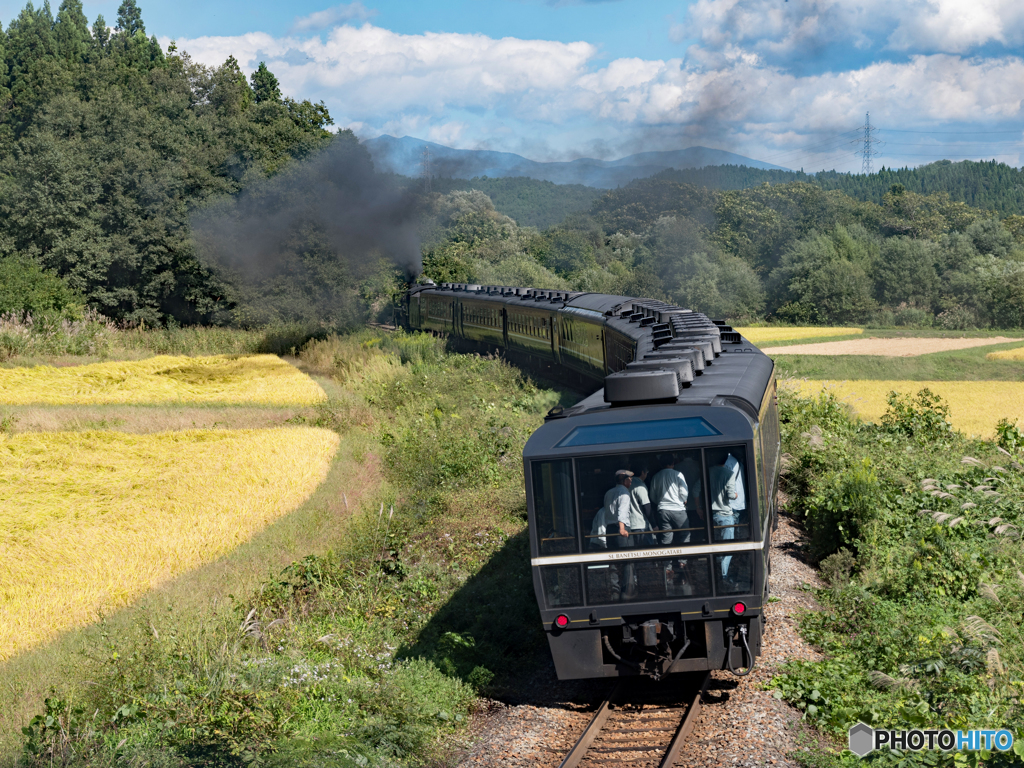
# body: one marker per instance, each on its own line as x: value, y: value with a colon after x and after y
x: 562, y: 588
x: 554, y: 515
x: 728, y: 494
x: 734, y: 573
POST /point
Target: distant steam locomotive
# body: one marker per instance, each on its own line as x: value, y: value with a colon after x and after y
x: 687, y: 419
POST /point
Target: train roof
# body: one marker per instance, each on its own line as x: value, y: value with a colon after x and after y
x: 739, y: 373
x: 738, y: 377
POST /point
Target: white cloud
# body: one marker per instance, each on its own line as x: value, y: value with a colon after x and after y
x: 378, y: 71
x: 465, y: 89
x: 330, y: 17
x: 802, y: 31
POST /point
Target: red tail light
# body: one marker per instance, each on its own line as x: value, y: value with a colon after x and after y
x: 739, y: 609
x: 561, y: 621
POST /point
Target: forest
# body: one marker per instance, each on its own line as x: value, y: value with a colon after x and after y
x: 790, y: 252
x: 987, y: 184
x: 143, y: 186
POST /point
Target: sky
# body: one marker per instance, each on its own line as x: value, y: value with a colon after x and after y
x: 784, y: 81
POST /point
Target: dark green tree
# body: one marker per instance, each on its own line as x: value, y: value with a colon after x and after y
x: 100, y: 34
x: 129, y: 19
x: 264, y: 85
x: 906, y: 272
x: 816, y: 283
x: 71, y: 32
x: 24, y: 287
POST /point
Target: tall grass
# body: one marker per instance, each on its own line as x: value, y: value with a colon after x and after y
x: 262, y: 379
x: 24, y: 335
x: 53, y: 334
x: 93, y: 519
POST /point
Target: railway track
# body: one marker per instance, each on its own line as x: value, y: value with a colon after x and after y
x: 640, y: 725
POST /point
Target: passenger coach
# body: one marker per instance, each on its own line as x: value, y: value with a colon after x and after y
x: 688, y: 410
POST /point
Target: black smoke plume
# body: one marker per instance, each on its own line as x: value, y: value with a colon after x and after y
x: 313, y: 243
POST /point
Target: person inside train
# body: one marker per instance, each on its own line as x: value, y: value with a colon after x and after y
x: 669, y: 492
x: 692, y: 470
x: 729, y: 520
x: 640, y: 505
x: 618, y: 502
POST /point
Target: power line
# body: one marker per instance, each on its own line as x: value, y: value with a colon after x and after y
x: 951, y: 144
x: 947, y: 157
x: 950, y: 133
x: 807, y: 149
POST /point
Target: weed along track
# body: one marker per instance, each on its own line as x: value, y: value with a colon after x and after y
x: 641, y: 724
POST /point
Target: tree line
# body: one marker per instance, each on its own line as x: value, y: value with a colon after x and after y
x: 792, y: 252
x: 108, y: 144
x: 986, y: 184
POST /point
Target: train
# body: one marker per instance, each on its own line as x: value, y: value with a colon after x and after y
x: 652, y: 501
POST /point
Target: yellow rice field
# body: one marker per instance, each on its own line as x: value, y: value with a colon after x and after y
x: 252, y: 379
x: 1007, y: 354
x: 975, y: 406
x: 771, y: 334
x: 91, y: 520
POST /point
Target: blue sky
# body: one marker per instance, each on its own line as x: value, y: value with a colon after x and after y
x: 786, y: 81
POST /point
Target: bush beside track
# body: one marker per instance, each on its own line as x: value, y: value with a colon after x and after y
x: 918, y: 532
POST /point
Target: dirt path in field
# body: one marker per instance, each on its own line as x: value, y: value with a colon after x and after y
x: 886, y: 347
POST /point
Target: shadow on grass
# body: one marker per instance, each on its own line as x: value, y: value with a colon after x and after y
x: 489, y: 632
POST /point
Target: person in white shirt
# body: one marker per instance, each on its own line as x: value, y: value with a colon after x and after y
x: 668, y: 494
x: 731, y: 517
x: 640, y: 507
x: 618, y: 502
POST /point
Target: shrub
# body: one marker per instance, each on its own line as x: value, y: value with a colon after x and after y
x: 1008, y: 436
x: 837, y: 568
x: 957, y: 318
x: 924, y: 416
x: 839, y: 513
x: 26, y: 287
x: 910, y: 316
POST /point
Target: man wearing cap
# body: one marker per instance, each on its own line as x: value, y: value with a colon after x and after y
x: 618, y: 502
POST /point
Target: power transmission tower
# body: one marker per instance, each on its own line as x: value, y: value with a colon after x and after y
x: 868, y: 150
x: 425, y: 164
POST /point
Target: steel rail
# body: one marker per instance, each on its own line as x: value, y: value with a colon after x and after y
x: 579, y: 751
x: 686, y: 726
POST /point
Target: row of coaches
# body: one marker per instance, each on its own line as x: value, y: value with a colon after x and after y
x: 586, y: 332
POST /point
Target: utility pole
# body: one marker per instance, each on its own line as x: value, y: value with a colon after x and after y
x: 868, y: 150
x: 425, y: 164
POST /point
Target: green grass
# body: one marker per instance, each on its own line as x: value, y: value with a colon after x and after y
x: 958, y: 365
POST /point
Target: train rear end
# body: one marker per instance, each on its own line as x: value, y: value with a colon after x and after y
x: 685, y: 589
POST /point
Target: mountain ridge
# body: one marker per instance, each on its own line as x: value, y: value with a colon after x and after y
x: 405, y: 156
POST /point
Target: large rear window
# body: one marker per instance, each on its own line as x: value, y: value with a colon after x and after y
x: 635, y: 431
